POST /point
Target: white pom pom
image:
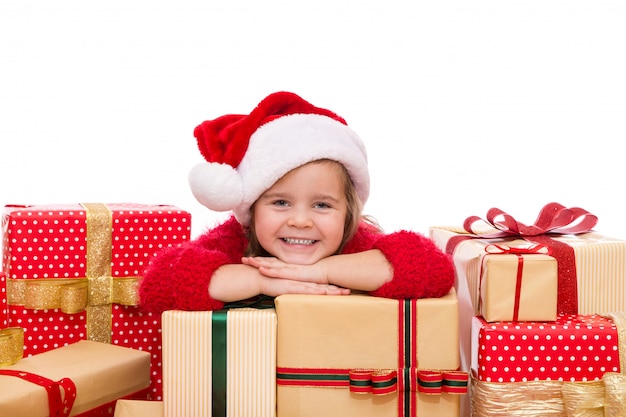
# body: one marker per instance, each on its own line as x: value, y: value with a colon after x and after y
x: 216, y: 186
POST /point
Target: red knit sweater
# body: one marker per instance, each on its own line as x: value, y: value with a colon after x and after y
x: 178, y: 277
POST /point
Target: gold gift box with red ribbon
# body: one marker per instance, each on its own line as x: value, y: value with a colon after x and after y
x: 360, y: 355
x: 73, y: 380
x: 72, y: 272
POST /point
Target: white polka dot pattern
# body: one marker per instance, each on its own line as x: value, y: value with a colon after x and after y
x: 573, y: 348
x: 4, y: 318
x: 43, y: 242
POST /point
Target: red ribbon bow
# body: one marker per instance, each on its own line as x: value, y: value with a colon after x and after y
x: 553, y: 218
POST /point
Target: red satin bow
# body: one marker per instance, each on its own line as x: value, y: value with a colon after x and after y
x: 553, y: 218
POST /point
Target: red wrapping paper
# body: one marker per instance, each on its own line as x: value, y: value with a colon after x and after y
x: 51, y: 244
x: 573, y: 348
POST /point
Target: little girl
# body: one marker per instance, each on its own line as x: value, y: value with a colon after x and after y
x: 295, y: 177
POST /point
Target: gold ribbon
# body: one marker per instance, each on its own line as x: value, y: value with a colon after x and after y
x: 94, y: 293
x: 11, y: 345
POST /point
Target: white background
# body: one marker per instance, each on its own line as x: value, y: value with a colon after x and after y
x: 463, y: 105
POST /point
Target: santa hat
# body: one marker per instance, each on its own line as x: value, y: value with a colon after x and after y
x: 246, y: 154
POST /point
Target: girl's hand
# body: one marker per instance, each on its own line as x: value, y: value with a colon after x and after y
x: 275, y: 268
x: 278, y: 286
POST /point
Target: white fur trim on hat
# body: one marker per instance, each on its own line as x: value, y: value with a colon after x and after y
x: 289, y: 142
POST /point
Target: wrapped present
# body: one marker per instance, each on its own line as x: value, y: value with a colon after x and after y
x: 572, y: 369
x: 72, y: 273
x: 138, y: 408
x: 591, y: 268
x: 220, y: 363
x: 503, y: 279
x: 572, y: 348
x: 72, y: 380
x: 360, y: 355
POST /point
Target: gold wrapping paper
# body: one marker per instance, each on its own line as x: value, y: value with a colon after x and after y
x: 251, y: 363
x: 138, y: 408
x: 360, y: 332
x: 101, y: 372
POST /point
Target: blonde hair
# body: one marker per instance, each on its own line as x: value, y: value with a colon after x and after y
x: 351, y: 224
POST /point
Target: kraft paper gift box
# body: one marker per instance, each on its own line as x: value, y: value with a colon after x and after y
x: 360, y: 355
x: 502, y: 279
x: 89, y: 373
x: 569, y: 367
x: 591, y: 268
x: 73, y: 269
x: 138, y: 408
x: 220, y: 363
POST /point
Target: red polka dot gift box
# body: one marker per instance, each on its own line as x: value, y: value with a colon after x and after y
x: 572, y: 348
x: 72, y: 272
x: 569, y: 367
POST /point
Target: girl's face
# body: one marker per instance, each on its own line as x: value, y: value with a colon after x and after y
x: 300, y: 219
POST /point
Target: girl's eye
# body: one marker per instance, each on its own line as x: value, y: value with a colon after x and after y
x: 280, y: 202
x: 322, y: 205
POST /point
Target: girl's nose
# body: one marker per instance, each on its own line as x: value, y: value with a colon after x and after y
x: 300, y: 218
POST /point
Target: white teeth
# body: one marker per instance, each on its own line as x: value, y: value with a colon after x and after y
x: 292, y: 241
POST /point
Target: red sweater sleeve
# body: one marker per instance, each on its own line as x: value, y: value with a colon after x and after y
x: 420, y: 269
x: 178, y: 277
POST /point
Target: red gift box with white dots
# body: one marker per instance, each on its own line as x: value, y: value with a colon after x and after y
x: 47, y: 257
x: 572, y: 348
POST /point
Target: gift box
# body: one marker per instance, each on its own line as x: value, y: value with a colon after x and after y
x: 567, y: 368
x: 220, y: 363
x: 599, y: 269
x: 138, y: 408
x: 73, y: 270
x: 360, y: 355
x: 591, y: 268
x: 503, y: 279
x: 77, y: 377
x: 572, y: 348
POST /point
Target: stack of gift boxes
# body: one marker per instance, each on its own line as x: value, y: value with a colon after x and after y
x: 71, y: 274
x: 535, y: 326
x: 70, y: 306
x: 541, y: 312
